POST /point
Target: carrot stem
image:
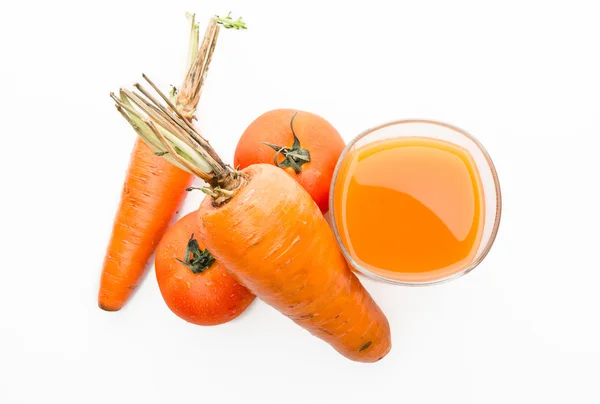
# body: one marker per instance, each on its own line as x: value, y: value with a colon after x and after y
x: 190, y: 128
x: 166, y: 125
x: 182, y: 142
x: 166, y: 99
x: 189, y: 93
x: 170, y: 126
x: 177, y: 155
x: 194, y: 39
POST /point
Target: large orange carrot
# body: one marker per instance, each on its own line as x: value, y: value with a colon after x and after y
x: 276, y: 242
x: 270, y: 234
x: 153, y: 189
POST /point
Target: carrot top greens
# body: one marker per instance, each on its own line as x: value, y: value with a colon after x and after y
x: 228, y: 22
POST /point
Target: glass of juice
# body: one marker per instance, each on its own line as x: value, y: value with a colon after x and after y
x: 415, y: 202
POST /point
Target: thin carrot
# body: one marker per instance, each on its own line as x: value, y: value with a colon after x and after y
x: 154, y: 187
x: 267, y: 231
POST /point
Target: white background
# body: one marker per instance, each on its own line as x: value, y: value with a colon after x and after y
x: 522, y: 76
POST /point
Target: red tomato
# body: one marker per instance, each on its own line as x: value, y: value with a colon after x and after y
x: 304, y: 144
x: 199, y: 289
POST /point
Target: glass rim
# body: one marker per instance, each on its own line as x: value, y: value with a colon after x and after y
x: 478, y: 259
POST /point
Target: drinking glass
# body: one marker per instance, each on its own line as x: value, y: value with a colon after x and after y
x: 439, y: 131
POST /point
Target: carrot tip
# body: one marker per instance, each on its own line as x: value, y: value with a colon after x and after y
x: 108, y: 308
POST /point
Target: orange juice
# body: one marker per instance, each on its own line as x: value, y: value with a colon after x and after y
x: 409, y: 209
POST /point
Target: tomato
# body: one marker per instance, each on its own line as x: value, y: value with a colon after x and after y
x: 303, y: 144
x: 193, y: 284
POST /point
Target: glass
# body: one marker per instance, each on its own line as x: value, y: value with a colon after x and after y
x: 437, y: 131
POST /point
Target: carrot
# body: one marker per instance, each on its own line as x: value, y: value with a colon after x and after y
x: 276, y: 242
x: 267, y: 231
x: 153, y: 191
x: 153, y: 188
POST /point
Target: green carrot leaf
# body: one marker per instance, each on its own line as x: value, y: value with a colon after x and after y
x: 228, y: 22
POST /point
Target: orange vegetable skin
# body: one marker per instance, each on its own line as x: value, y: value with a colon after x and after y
x: 276, y: 242
x: 153, y: 191
x: 210, y: 297
x: 315, y: 134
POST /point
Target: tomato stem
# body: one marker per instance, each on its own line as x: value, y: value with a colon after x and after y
x: 195, y: 259
x: 294, y: 156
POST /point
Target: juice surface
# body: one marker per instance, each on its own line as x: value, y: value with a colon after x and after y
x: 410, y: 209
